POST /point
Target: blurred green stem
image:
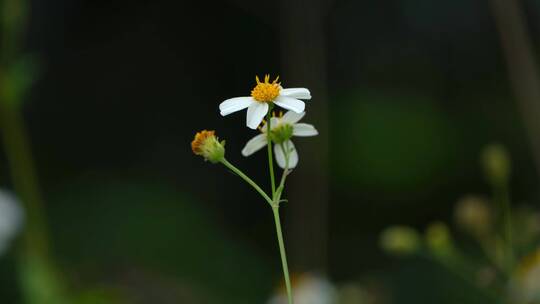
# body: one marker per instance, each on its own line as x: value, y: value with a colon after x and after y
x: 24, y: 177
x: 39, y: 278
x: 12, y: 128
x: 502, y: 197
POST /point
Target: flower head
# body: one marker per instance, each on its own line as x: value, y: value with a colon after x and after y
x: 439, y: 239
x: 474, y: 215
x: 497, y: 164
x: 400, y: 240
x: 282, y: 129
x: 207, y: 145
x: 264, y: 94
x: 266, y: 91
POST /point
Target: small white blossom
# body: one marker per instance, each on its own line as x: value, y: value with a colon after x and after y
x: 11, y: 219
x: 309, y: 289
x: 263, y: 94
x: 281, y: 130
x: 526, y: 280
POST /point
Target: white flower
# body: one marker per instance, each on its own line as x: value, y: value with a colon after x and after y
x: 11, y: 219
x: 309, y: 289
x: 262, y: 95
x: 526, y: 279
x: 281, y: 130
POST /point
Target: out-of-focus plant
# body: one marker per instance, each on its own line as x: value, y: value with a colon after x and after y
x: 400, y: 240
x: 276, y: 131
x: 509, y: 271
x: 309, y: 289
x: 39, y: 278
x: 11, y: 219
x: 313, y: 288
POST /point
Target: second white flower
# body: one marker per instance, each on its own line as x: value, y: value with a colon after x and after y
x: 282, y: 128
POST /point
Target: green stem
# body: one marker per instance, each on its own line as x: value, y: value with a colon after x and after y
x: 276, y: 197
x: 283, y: 254
x: 269, y: 148
x: 286, y: 171
x: 248, y: 180
x: 275, y: 209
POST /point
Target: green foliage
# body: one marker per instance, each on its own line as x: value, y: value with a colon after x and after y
x: 18, y: 78
x: 40, y: 284
x: 161, y: 232
x: 393, y: 143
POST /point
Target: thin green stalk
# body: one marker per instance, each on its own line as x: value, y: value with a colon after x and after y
x: 286, y: 171
x: 269, y: 148
x: 502, y: 195
x: 13, y: 19
x: 248, y: 180
x: 276, y: 197
x: 283, y: 254
x: 277, y: 220
x: 24, y: 177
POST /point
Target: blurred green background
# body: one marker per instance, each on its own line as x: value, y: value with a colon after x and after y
x: 406, y: 93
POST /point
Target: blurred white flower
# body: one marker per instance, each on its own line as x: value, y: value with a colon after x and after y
x: 474, y: 215
x: 282, y: 129
x: 525, y: 283
x: 11, y: 219
x: 309, y: 289
x: 263, y: 94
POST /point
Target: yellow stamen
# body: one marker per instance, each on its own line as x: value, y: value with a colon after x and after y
x: 266, y: 91
x: 263, y: 122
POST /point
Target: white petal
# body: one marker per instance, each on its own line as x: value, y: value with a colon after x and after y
x: 254, y: 144
x: 255, y: 114
x: 300, y: 93
x: 304, y: 129
x: 235, y: 104
x: 292, y: 117
x: 293, y: 154
x: 280, y: 156
x: 290, y: 103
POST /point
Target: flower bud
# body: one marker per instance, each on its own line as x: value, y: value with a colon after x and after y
x: 400, y: 240
x: 473, y: 215
x: 438, y: 238
x: 207, y: 145
x: 496, y: 163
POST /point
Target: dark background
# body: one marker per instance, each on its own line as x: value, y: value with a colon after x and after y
x: 406, y: 93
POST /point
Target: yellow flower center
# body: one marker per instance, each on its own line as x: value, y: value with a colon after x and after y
x: 266, y: 91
